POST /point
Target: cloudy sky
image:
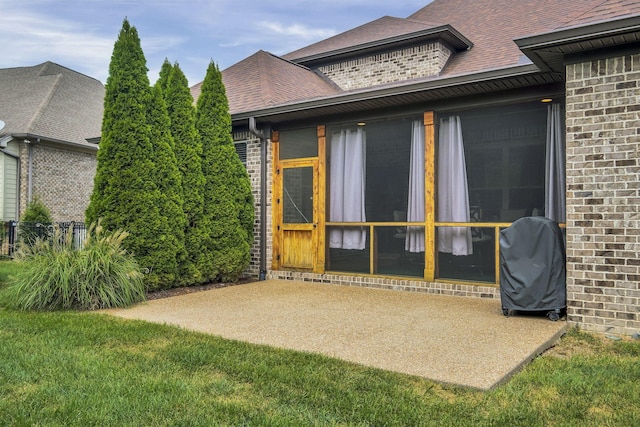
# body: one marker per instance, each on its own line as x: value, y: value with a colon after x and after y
x: 79, y: 34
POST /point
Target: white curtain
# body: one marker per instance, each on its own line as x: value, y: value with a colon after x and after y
x: 347, y: 186
x: 554, y: 202
x: 453, y: 193
x: 414, y: 241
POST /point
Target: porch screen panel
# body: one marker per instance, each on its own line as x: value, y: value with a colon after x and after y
x: 453, y: 193
x: 298, y: 195
x: 298, y: 143
x: 414, y: 241
x: 555, y: 203
x: 505, y: 154
x: 393, y: 194
x: 346, y: 189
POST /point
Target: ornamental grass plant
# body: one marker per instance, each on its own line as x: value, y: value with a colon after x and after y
x: 55, y: 276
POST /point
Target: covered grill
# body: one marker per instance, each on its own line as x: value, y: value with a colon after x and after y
x: 532, y: 267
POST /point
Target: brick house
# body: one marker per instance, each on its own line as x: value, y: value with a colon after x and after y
x: 392, y: 155
x: 49, y: 111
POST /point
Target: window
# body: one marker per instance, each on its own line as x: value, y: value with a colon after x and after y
x: 241, y: 150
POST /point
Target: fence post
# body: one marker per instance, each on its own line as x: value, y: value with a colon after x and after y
x: 12, y: 237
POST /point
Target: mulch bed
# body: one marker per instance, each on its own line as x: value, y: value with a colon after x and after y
x: 165, y: 293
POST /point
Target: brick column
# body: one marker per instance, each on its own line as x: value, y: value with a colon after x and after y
x: 603, y: 194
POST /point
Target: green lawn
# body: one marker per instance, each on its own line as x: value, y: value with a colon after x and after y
x: 91, y: 369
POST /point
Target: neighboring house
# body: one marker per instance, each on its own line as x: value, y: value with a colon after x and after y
x: 391, y: 155
x: 49, y: 111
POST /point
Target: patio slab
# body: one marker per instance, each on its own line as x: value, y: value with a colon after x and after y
x: 455, y: 340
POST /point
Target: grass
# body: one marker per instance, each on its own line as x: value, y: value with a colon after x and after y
x: 72, y: 368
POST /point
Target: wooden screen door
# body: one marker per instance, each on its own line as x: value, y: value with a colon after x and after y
x: 298, y: 213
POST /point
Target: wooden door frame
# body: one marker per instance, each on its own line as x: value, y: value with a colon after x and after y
x: 319, y: 189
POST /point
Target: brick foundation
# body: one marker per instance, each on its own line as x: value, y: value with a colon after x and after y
x: 410, y: 285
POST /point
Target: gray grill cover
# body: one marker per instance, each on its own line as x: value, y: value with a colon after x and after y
x: 532, y: 265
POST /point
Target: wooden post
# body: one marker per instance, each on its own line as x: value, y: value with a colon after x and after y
x: 319, y: 201
x: 276, y: 192
x: 429, y: 196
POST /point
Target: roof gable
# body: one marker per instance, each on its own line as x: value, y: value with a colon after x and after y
x: 379, y: 33
x: 263, y: 80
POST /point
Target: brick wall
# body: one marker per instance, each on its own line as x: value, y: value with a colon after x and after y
x: 63, y: 179
x: 603, y: 194
x: 399, y: 65
x: 253, y: 168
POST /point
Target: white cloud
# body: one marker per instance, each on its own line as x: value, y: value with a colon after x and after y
x: 35, y: 38
x: 295, y: 30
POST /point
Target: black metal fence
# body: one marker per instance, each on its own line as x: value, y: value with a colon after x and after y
x: 13, y: 233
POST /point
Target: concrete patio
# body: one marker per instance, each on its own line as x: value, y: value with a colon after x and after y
x: 455, y: 340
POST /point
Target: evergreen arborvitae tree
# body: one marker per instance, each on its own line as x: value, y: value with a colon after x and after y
x: 125, y: 194
x: 228, y: 200
x: 37, y: 212
x: 168, y: 246
x: 188, y: 152
x: 163, y: 79
x: 34, y: 221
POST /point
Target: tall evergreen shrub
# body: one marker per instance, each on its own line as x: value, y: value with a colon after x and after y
x: 228, y: 200
x: 35, y: 221
x: 188, y: 152
x: 125, y: 194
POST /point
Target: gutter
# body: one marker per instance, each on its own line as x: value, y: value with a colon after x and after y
x: 549, y: 50
x: 390, y: 91
x: 263, y: 195
x: 87, y: 146
x: 30, y: 169
x: 586, y: 32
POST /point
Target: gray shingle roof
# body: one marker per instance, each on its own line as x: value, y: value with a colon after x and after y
x: 52, y: 102
x: 490, y: 25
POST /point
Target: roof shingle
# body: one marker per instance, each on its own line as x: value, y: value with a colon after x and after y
x: 492, y: 25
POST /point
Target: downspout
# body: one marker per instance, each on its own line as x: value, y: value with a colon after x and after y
x: 263, y: 195
x: 29, y: 170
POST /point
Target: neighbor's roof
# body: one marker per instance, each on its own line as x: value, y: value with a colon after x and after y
x: 491, y: 26
x: 51, y: 102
